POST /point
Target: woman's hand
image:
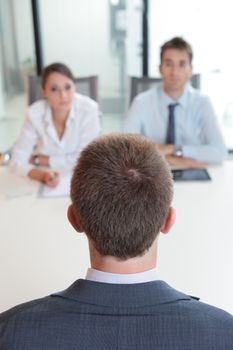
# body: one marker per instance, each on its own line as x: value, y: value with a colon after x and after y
x: 51, y: 178
x: 39, y: 160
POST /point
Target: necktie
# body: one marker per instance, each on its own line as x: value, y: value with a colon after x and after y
x: 171, y: 137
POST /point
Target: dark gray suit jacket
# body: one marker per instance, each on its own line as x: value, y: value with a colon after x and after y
x: 100, y: 316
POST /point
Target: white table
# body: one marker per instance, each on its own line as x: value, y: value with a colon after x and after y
x: 40, y: 252
x: 197, y: 255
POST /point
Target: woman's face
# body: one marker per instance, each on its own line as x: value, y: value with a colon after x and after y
x: 59, y: 91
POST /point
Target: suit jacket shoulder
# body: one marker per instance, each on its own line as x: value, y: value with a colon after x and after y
x: 91, y: 315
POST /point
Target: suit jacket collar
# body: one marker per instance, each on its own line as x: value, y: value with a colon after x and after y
x: 119, y: 295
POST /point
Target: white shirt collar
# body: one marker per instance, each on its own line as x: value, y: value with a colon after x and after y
x: 182, y: 100
x: 114, y: 278
x: 48, y: 114
x: 48, y: 119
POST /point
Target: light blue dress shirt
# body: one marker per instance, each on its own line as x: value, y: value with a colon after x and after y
x: 196, y: 125
x: 115, y: 278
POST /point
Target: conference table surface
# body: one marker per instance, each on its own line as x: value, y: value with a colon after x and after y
x: 40, y: 252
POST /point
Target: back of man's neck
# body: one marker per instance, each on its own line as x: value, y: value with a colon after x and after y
x: 112, y: 264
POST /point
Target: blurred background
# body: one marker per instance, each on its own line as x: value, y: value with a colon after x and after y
x: 113, y: 39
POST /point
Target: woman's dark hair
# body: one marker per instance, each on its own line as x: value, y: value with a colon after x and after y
x: 55, y: 68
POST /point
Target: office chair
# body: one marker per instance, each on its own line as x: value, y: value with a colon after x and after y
x: 137, y: 85
x: 87, y: 86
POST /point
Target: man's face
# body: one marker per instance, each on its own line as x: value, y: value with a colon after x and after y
x: 175, y: 70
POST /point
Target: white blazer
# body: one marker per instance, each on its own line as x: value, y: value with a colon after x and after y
x: 39, y: 135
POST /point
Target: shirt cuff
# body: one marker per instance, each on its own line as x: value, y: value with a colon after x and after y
x: 189, y: 152
x: 21, y: 170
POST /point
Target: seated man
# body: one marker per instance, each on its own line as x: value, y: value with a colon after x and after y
x: 121, y: 194
x: 177, y: 117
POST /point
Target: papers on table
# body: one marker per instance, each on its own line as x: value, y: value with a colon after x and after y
x: 12, y: 186
x: 62, y: 189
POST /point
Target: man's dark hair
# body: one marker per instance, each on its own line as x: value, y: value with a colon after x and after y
x: 121, y: 191
x: 55, y: 68
x: 179, y: 44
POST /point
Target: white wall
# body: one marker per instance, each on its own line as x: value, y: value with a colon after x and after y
x: 77, y: 33
x: 2, y: 102
x: 198, y: 22
x: 134, y: 38
x: 24, y: 31
x: 18, y: 51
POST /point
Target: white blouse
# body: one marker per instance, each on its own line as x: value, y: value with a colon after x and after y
x: 39, y: 135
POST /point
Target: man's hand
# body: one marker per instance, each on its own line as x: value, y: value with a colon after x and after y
x: 166, y: 149
x: 184, y: 163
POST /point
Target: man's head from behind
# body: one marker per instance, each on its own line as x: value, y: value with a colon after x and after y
x: 121, y: 192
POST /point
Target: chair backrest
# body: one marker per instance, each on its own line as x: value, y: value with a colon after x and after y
x: 87, y: 86
x: 137, y: 85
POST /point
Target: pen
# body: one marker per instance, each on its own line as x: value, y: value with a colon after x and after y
x: 53, y: 177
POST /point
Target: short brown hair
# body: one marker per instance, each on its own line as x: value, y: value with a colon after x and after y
x: 121, y: 191
x: 179, y: 44
x: 55, y: 68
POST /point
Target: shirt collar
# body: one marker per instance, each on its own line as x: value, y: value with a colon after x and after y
x: 48, y: 114
x: 182, y: 100
x: 113, y: 278
x: 71, y: 114
x: 48, y: 120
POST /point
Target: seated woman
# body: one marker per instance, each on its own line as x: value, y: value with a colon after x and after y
x: 56, y: 128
